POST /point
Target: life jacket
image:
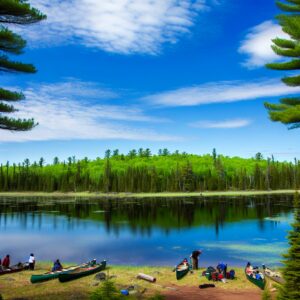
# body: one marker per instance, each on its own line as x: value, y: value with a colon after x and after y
x: 257, y: 276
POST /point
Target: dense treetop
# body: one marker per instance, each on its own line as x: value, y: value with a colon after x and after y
x: 139, y: 171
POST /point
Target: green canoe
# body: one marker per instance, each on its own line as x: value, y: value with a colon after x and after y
x: 81, y: 272
x: 52, y: 275
x: 258, y: 282
x: 182, y: 269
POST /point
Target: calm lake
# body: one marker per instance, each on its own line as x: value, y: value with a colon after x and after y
x: 147, y: 231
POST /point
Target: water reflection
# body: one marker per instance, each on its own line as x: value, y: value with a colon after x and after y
x: 157, y: 230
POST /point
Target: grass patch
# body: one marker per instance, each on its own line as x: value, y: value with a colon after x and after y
x: 18, y: 285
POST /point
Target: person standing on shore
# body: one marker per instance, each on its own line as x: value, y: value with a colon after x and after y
x: 31, y: 261
x: 195, y: 258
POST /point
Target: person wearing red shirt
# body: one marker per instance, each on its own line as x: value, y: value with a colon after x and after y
x: 6, y: 261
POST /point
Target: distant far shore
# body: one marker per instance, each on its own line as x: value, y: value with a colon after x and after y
x: 146, y: 195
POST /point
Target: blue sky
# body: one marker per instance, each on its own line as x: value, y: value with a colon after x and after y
x: 180, y: 74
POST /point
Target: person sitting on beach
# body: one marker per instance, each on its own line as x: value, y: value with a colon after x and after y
x: 222, y: 268
x: 57, y: 266
x: 185, y: 262
x: 6, y: 261
x: 258, y: 276
x: 31, y: 261
x: 249, y: 269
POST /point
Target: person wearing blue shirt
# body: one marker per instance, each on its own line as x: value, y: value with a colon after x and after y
x: 57, y: 266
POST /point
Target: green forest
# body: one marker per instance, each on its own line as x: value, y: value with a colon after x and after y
x: 141, y: 172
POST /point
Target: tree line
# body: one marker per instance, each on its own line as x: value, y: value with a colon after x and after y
x: 139, y: 171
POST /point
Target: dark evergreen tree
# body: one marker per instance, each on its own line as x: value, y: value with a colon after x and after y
x: 291, y: 272
x: 141, y: 152
x: 288, y: 111
x: 56, y: 161
x: 147, y: 152
x: 116, y: 153
x: 107, y: 153
x: 259, y: 156
x: 165, y: 152
x: 132, y: 153
x: 14, y: 12
x: 41, y: 162
x: 214, y: 155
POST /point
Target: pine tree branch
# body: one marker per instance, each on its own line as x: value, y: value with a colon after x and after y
x: 5, y: 108
x: 290, y: 115
x: 290, y: 101
x: 286, y: 52
x: 288, y: 7
x: 275, y: 107
x: 290, y: 25
x: 11, y: 42
x: 6, y: 95
x: 284, y: 43
x: 19, y: 12
x: 7, y: 65
x: 291, y: 65
x: 16, y: 124
x: 293, y: 1
x: 292, y: 81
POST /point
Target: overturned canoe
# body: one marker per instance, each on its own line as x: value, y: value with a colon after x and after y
x: 52, y: 275
x: 276, y: 276
x: 182, y: 269
x: 258, y: 282
x: 82, y: 271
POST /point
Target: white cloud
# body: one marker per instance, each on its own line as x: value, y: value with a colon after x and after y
x: 257, y: 44
x: 120, y: 26
x: 221, y: 92
x: 225, y: 124
x: 73, y: 116
x: 72, y: 87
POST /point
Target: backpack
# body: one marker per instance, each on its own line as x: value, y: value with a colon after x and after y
x: 211, y: 269
x: 231, y: 274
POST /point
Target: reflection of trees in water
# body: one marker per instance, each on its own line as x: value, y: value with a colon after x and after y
x: 143, y: 215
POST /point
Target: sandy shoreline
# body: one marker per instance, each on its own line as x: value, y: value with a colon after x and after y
x: 18, y: 285
x: 99, y: 195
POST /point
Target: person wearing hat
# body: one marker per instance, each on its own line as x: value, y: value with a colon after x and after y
x: 195, y: 258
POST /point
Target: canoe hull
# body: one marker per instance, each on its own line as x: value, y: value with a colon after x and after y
x: 259, y: 283
x: 51, y: 275
x: 43, y: 277
x: 75, y: 275
x: 269, y: 273
x: 181, y: 273
x: 14, y: 269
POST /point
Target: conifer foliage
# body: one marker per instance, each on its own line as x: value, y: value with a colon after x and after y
x: 288, y: 110
x: 291, y: 289
x: 141, y: 173
x: 21, y: 13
